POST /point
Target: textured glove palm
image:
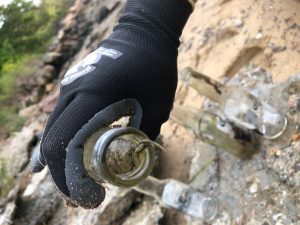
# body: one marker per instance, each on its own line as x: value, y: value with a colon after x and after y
x: 139, y: 60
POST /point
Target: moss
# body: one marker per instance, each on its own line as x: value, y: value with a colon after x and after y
x: 6, y: 178
x: 9, y: 119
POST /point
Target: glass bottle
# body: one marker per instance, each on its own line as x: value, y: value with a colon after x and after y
x: 120, y: 156
x: 125, y: 157
x: 177, y: 195
x: 239, y: 106
x: 213, y: 130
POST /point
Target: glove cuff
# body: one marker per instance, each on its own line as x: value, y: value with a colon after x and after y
x: 158, y: 16
x: 192, y: 2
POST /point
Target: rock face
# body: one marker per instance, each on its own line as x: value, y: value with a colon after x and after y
x: 224, y: 39
x: 16, y: 151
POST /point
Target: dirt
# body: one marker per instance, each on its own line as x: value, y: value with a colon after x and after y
x: 222, y: 35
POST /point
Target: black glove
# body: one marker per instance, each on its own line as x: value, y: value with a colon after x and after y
x: 138, y: 60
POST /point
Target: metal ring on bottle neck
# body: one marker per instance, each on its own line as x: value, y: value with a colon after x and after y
x: 101, y: 150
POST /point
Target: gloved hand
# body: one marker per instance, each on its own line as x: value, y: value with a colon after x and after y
x: 138, y: 60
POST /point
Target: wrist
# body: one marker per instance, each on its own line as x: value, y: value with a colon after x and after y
x: 157, y: 17
x: 192, y: 2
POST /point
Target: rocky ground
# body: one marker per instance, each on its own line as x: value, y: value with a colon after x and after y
x: 229, y: 40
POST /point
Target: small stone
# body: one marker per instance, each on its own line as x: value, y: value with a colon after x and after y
x: 278, y: 48
x: 103, y: 13
x: 259, y: 36
x: 30, y: 111
x: 297, y: 166
x: 294, y: 103
x: 49, y: 87
x: 239, y: 23
x: 279, y: 223
x: 60, y: 34
x: 40, y: 81
x: 253, y: 189
x: 49, y: 71
x: 48, y: 103
x: 295, y: 137
x: 278, y: 217
x: 274, y: 151
x: 53, y: 58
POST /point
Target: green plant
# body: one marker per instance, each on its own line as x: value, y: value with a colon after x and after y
x: 6, y: 178
x: 25, y: 32
x: 27, y: 28
x: 200, y: 171
x: 9, y: 119
x: 25, y: 66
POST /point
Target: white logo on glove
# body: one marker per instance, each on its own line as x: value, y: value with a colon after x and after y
x: 86, y: 65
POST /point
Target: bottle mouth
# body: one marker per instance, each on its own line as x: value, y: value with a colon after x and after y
x: 125, y: 156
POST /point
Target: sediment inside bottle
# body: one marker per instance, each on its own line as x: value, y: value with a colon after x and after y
x: 124, y: 156
x: 125, y: 160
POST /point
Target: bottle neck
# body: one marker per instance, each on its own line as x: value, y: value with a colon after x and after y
x: 151, y: 186
x: 119, y: 156
x: 205, y: 86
